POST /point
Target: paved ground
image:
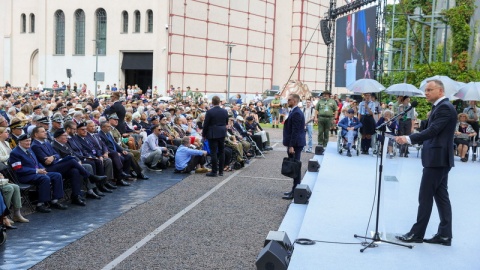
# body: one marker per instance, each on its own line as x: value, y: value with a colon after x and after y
x: 198, y: 223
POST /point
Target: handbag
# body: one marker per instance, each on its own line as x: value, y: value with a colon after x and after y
x: 291, y: 167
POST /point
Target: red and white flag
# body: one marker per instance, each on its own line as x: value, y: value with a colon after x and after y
x: 17, y: 165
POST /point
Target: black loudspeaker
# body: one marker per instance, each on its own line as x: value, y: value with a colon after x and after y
x: 281, y: 238
x: 301, y: 194
x: 272, y: 257
x: 325, y: 29
x: 69, y: 73
x: 319, y: 150
x: 313, y: 165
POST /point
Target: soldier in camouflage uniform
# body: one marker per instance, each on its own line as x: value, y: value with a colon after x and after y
x: 326, y: 111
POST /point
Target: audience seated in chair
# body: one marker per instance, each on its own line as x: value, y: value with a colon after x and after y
x: 463, y: 136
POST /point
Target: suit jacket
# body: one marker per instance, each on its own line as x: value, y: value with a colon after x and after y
x: 437, y: 137
x: 215, y: 123
x: 99, y: 146
x: 23, y: 164
x: 355, y: 123
x: 79, y: 149
x: 241, y: 129
x: 44, y: 150
x: 64, y: 150
x: 294, y: 129
x: 119, y: 109
x: 110, y: 145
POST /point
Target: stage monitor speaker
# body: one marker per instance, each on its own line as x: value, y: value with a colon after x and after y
x: 301, y: 194
x: 69, y: 73
x: 325, y: 29
x: 281, y: 238
x: 319, y: 150
x: 272, y: 257
x: 313, y: 165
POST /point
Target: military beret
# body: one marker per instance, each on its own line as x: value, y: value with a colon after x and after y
x: 58, y: 133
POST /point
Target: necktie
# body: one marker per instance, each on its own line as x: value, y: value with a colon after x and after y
x: 34, y: 160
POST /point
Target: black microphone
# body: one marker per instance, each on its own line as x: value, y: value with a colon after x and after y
x: 414, y: 104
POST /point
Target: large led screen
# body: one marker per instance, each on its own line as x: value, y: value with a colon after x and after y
x: 355, y: 47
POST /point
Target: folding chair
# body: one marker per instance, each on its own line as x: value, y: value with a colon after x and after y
x: 25, y: 189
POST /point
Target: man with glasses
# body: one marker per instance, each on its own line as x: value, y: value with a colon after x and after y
x: 152, y: 154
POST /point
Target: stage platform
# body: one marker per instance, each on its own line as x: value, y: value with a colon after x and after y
x: 343, y: 194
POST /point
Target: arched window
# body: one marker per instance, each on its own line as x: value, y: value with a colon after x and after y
x: 59, y: 32
x: 149, y: 21
x: 124, y: 22
x: 23, y: 23
x: 101, y: 35
x: 32, y: 23
x: 137, y: 21
x: 79, y: 32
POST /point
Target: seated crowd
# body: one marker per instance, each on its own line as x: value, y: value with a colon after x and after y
x: 97, y: 145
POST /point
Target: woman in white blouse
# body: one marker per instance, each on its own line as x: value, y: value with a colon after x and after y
x: 11, y: 192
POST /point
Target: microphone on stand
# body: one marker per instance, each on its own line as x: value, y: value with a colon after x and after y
x: 414, y: 104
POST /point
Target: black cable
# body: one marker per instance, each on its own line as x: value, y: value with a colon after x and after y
x: 310, y: 242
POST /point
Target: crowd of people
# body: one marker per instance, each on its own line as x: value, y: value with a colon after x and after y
x: 50, y: 137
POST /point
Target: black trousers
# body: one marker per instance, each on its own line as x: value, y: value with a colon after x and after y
x: 71, y: 170
x: 217, y: 152
x: 434, y: 186
x: 194, y: 161
x: 297, y: 156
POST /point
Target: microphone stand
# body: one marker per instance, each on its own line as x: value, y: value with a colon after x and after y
x: 376, y: 236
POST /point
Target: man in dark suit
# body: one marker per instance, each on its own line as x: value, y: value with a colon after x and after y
x: 294, y: 136
x: 437, y: 160
x: 215, y: 130
x: 118, y: 108
x: 350, y: 126
x: 30, y: 171
x: 120, y: 158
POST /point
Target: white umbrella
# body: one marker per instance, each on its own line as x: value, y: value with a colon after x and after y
x: 363, y: 86
x: 166, y: 99
x: 404, y: 89
x: 451, y: 86
x: 470, y: 91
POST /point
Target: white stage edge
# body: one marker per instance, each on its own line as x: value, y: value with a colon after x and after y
x: 342, y: 200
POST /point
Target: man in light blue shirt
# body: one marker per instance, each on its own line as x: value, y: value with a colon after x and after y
x: 188, y: 159
x: 151, y: 152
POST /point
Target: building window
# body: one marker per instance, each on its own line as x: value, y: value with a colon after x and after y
x: 137, y: 21
x: 32, y: 23
x: 101, y: 35
x: 150, y: 21
x: 23, y: 23
x: 79, y: 32
x: 124, y: 22
x: 59, y: 32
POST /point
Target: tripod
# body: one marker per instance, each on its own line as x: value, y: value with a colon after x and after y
x: 376, y: 236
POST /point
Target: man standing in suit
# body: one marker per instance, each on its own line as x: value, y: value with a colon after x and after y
x: 294, y: 136
x: 437, y: 160
x: 118, y: 108
x: 215, y: 130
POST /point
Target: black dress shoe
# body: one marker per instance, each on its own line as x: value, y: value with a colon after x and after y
x: 98, y: 192
x: 42, y: 209
x: 109, y: 186
x: 103, y: 188
x: 123, y: 175
x: 58, y: 206
x: 287, y: 193
x: 220, y: 174
x: 122, y: 183
x: 211, y: 174
x: 133, y: 174
x: 97, y: 178
x: 11, y: 227
x: 288, y: 197
x: 142, y: 177
x: 78, y: 200
x: 438, y: 239
x: 410, y: 238
x: 93, y: 196
x: 349, y: 154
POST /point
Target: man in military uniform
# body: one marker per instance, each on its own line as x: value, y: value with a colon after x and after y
x: 197, y: 95
x: 189, y: 92
x: 275, y: 105
x: 326, y: 111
